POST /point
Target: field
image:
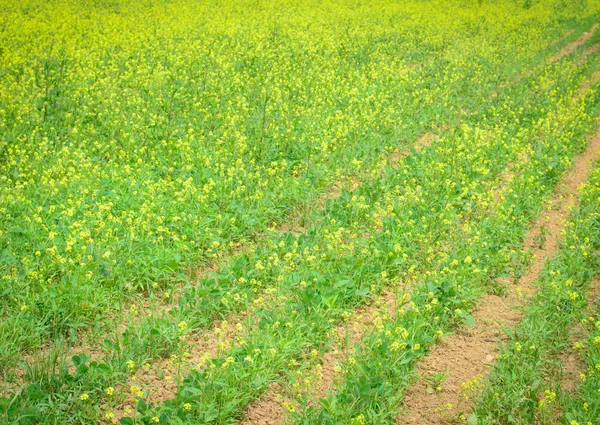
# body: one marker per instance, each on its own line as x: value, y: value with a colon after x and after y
x: 299, y: 212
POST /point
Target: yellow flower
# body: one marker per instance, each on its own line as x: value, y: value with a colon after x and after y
x: 359, y: 420
x: 84, y: 397
x: 229, y: 361
x: 109, y: 391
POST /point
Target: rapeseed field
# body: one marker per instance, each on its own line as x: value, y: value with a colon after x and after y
x: 271, y: 212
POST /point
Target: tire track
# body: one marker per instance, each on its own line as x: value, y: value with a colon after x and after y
x: 466, y: 356
x: 565, y: 51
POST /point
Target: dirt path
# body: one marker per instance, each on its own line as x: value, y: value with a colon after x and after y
x: 469, y: 353
x: 566, y: 50
x: 570, y: 48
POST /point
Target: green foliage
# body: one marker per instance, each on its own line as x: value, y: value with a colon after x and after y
x: 142, y: 141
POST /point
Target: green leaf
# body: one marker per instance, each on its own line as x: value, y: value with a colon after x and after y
x: 191, y: 391
x: 469, y: 320
x: 362, y: 292
x: 259, y: 382
x: 211, y: 415
x: 142, y: 406
x: 472, y: 420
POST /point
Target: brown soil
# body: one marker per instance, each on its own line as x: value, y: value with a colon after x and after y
x: 561, y: 38
x: 267, y: 410
x: 571, y: 366
x: 595, y: 78
x: 470, y: 352
x: 592, y: 50
x: 570, y: 48
x: 589, y: 51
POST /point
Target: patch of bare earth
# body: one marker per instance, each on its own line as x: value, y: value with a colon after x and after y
x: 507, y: 175
x: 586, y: 85
x: 571, y: 365
x: 470, y: 352
x: 589, y: 51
